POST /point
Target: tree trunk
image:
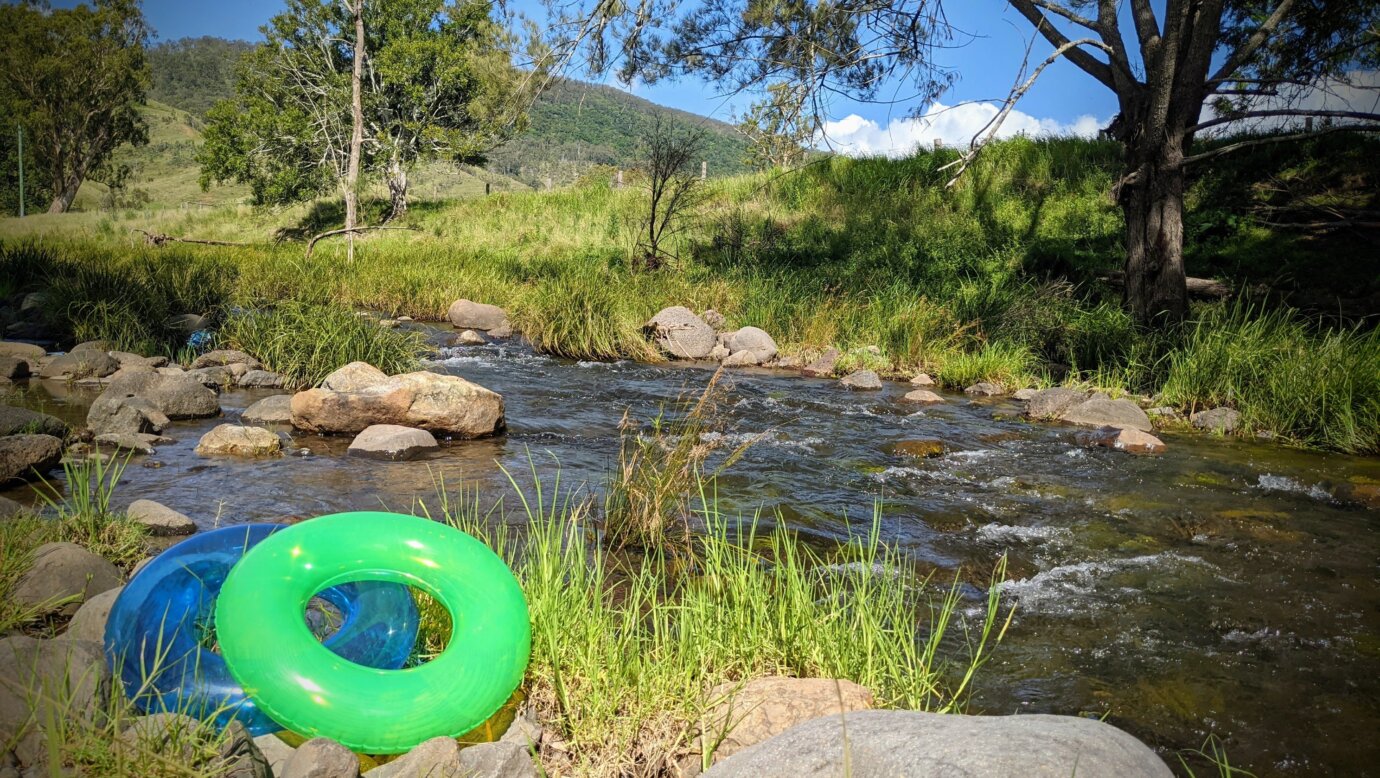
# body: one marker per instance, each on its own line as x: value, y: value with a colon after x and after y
x: 357, y: 134
x: 397, y: 189
x: 1152, y: 200
x: 66, y: 195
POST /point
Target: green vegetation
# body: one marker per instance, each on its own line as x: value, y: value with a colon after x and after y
x: 194, y: 73
x: 998, y: 278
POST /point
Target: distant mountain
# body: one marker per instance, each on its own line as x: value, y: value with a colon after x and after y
x: 574, y: 125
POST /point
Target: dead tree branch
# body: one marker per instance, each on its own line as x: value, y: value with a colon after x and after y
x: 311, y: 244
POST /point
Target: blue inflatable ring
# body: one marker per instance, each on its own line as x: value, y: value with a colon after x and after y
x: 156, y: 636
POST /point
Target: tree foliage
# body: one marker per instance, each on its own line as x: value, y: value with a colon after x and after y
x: 194, y: 73
x: 73, y: 77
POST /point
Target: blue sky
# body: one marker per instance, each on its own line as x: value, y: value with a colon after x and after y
x: 1064, y: 99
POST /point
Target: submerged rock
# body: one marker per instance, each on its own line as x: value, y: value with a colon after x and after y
x: 238, y: 441
x: 430, y: 401
x: 1223, y: 420
x: 1098, y: 412
x: 985, y: 389
x: 862, y: 379
x: 681, y: 334
x: 923, y: 396
x: 392, y: 442
x: 922, y: 447
x: 884, y: 744
x: 1130, y: 440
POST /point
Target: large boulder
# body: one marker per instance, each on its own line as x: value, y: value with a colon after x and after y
x: 12, y: 368
x: 1052, y: 403
x: 985, y: 389
x: 1102, y: 412
x: 391, y: 442
x: 823, y: 367
x: 275, y: 752
x: 25, y: 351
x: 470, y: 315
x: 753, y: 341
x: 87, y: 363
x: 438, y: 757
x: 681, y: 334
x: 223, y: 357
x: 42, y: 681
x: 62, y: 576
x: 125, y: 416
x: 260, y: 379
x: 159, y: 518
x: 26, y: 457
x: 884, y: 744
x: 1223, y: 420
x: 866, y: 380
x: 354, y: 377
x: 22, y: 421
x: 89, y: 621
x: 270, y: 410
x: 441, y: 404
x: 321, y: 757
x: 233, y: 440
x: 176, y: 396
x: 738, y: 716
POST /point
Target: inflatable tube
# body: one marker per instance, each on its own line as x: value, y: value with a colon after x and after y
x: 156, y: 634
x: 319, y: 694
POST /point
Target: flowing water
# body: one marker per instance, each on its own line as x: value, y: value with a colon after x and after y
x: 1219, y: 588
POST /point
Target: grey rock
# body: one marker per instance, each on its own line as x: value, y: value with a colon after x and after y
x: 12, y: 368
x: 19, y: 421
x: 354, y: 377
x: 26, y: 457
x: 9, y: 508
x: 160, y: 519
x: 681, y: 334
x: 753, y: 340
x: 985, y: 389
x: 1163, y: 412
x: 1107, y: 413
x: 89, y: 621
x: 390, y: 324
x: 1024, y: 395
x: 62, y: 576
x: 391, y: 442
x: 124, y: 416
x: 275, y: 752
x: 160, y: 733
x: 175, y: 396
x: 884, y: 744
x: 497, y: 760
x: 923, y: 396
x: 470, y: 315
x: 922, y: 379
x: 713, y: 318
x: 862, y: 379
x: 43, y: 679
x: 1223, y: 420
x: 720, y: 352
x: 471, y: 338
x: 1052, y: 403
x: 270, y: 410
x: 124, y: 441
x: 222, y: 357
x: 822, y: 367
x: 239, y: 757
x: 321, y: 757
x: 442, y: 404
x: 27, y: 351
x: 235, y: 440
x: 214, y: 377
x: 438, y: 757
x: 80, y: 364
x: 260, y: 379
x: 740, y: 358
x: 1132, y: 441
x: 95, y: 346
x: 524, y: 731
x: 126, y: 360
x: 740, y: 715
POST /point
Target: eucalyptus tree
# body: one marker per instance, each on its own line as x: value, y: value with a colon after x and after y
x: 1163, y: 60
x: 73, y: 78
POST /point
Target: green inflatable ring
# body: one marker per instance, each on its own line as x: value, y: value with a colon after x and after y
x: 306, y: 687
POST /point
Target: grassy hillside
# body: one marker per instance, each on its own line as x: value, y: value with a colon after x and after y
x: 996, y: 279
x: 194, y: 73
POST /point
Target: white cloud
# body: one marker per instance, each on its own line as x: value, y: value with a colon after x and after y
x: 954, y: 125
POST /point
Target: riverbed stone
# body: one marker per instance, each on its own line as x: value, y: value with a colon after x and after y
x: 1132, y: 441
x: 438, y: 757
x: 22, y: 421
x: 43, y: 679
x: 239, y: 757
x: 125, y: 441
x: 923, y: 397
x: 681, y: 334
x: 101, y: 346
x: 922, y: 379
x: 177, y: 396
x: 720, y: 352
x: 866, y: 380
x: 884, y: 744
x: 26, y: 351
x: 440, y: 404
x: 61, y: 577
x: 239, y: 441
x: 470, y: 315
x: 1223, y: 420
x: 985, y: 389
x: 79, y: 364
x: 160, y: 519
x: 26, y: 457
x: 321, y: 757
x: 224, y: 356
x: 259, y: 379
x: 213, y: 377
x: 742, y: 715
x: 160, y: 733
x: 823, y: 367
x: 497, y: 760
x: 10, y: 508
x: 755, y: 341
x: 923, y: 448
x: 1052, y: 403
x: 14, y: 368
x: 391, y: 442
x: 89, y: 621
x: 1023, y: 395
x: 1098, y: 412
x: 270, y: 410
x: 714, y: 319
x: 471, y: 338
x: 353, y: 377
x: 275, y: 752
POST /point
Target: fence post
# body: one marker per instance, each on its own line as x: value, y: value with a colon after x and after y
x: 21, y: 171
x: 704, y: 169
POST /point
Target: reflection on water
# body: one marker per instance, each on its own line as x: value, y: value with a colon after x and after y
x: 1217, y: 589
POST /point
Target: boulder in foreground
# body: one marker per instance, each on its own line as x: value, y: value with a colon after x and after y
x: 62, y: 576
x: 26, y: 457
x: 884, y: 744
x: 681, y: 334
x: 740, y: 716
x: 442, y: 404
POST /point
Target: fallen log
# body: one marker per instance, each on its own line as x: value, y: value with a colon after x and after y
x: 1209, y: 288
x: 158, y: 239
x: 311, y: 244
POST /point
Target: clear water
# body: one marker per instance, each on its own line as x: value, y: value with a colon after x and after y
x: 1216, y: 589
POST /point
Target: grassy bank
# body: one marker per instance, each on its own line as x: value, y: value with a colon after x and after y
x: 995, y: 279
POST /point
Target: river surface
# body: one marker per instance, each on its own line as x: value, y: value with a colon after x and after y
x: 1219, y: 588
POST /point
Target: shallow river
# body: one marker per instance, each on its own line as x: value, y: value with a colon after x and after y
x: 1216, y: 589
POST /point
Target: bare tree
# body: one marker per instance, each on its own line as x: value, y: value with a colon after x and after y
x: 357, y: 132
x: 672, y: 186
